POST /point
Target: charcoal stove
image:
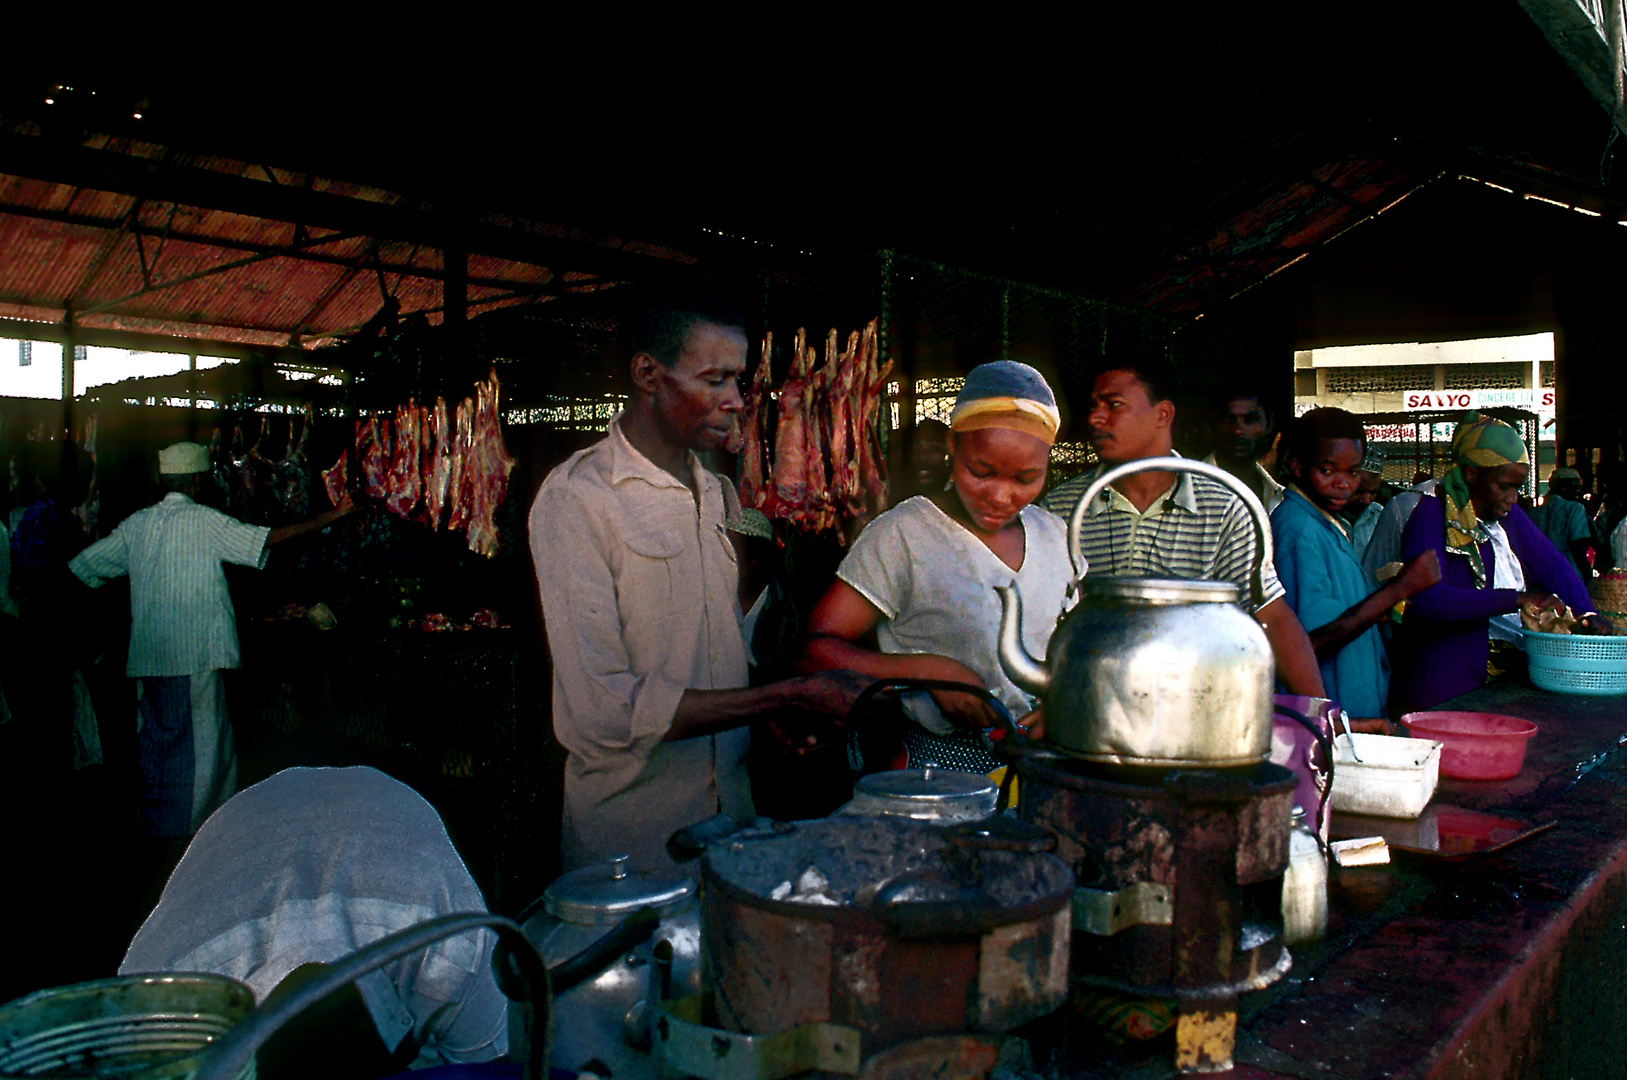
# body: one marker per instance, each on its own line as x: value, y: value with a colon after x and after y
x: 1179, y: 877
x: 872, y: 947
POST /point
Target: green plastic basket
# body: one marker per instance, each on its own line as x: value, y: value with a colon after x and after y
x: 1577, y: 663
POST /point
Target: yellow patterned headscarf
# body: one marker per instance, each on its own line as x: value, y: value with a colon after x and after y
x: 1007, y: 394
x: 1487, y: 443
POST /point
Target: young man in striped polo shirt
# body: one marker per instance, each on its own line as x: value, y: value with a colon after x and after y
x: 1172, y: 525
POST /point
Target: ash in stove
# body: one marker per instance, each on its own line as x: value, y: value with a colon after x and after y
x: 846, y: 861
x: 812, y: 887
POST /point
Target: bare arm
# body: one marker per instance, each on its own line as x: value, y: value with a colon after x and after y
x: 706, y: 712
x: 843, y: 617
x: 320, y: 521
x: 1423, y: 571
x: 1291, y: 648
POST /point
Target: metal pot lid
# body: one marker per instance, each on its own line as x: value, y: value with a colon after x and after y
x: 606, y: 892
x: 1162, y: 590
x: 928, y: 787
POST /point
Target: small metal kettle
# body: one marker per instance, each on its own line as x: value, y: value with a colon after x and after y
x: 931, y: 795
x: 1152, y: 672
x: 606, y: 1017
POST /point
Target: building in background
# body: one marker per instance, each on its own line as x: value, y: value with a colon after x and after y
x: 1392, y: 382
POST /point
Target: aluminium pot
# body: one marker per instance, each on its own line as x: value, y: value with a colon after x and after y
x: 1153, y: 672
x: 605, y: 1017
x: 931, y: 795
x: 902, y: 931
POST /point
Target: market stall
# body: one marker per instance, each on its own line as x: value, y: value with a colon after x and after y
x: 1499, y: 964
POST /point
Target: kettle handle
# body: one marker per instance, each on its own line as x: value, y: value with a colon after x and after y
x: 1007, y: 722
x: 1262, y: 523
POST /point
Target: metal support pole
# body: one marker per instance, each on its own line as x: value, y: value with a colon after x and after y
x: 67, y: 373
x: 455, y: 301
x: 192, y: 396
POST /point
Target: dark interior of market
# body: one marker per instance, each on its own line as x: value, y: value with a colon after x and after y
x: 1224, y: 189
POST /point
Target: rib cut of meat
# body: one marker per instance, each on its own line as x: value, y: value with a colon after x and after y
x: 292, y: 490
x: 373, y: 456
x: 459, y: 492
x: 437, y: 462
x: 791, y: 437
x: 828, y: 470
x: 487, y: 468
x: 754, y: 431
x: 844, y: 476
x: 334, y: 479
x: 406, y: 475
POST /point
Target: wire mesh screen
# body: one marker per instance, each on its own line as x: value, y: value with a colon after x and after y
x: 943, y: 321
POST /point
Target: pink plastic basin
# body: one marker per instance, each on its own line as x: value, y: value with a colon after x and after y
x: 1475, y: 745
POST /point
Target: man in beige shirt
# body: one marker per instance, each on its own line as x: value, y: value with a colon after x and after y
x: 639, y: 593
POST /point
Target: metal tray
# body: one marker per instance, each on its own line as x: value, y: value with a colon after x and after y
x: 1441, y: 833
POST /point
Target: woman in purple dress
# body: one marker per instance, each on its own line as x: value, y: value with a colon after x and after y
x: 1441, y: 646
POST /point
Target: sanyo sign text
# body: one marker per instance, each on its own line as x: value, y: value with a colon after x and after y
x: 1540, y: 401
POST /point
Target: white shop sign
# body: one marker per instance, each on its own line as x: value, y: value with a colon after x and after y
x: 1540, y: 402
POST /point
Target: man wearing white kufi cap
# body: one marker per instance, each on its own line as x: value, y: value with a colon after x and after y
x: 183, y: 634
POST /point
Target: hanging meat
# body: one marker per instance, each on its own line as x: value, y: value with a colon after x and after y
x: 373, y: 456
x: 750, y: 440
x: 406, y: 479
x: 438, y: 464
x: 336, y: 478
x: 291, y: 489
x: 488, y: 468
x: 457, y: 483
x: 828, y: 465
x: 791, y: 462
x: 421, y: 467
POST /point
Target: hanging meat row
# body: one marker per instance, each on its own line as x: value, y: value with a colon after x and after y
x: 827, y: 460
x: 438, y: 467
x: 260, y: 486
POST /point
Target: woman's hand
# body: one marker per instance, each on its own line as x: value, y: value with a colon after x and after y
x: 962, y: 710
x: 1597, y: 624
x: 1540, y: 602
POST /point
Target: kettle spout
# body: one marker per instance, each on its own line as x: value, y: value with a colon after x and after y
x: 1020, y: 668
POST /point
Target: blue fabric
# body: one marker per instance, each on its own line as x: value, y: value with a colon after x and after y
x: 1361, y: 531
x: 1003, y: 379
x: 164, y: 749
x: 1563, y: 522
x: 1318, y: 569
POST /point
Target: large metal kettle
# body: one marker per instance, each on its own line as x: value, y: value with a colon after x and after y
x: 1152, y: 672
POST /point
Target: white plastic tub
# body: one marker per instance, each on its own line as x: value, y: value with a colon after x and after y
x: 1395, y: 778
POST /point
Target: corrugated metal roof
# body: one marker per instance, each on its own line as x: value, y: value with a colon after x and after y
x: 1274, y: 232
x: 151, y: 266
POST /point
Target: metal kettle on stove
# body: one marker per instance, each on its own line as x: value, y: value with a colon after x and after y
x: 1152, y: 672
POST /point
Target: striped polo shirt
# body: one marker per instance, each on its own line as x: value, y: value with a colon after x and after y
x: 1196, y: 531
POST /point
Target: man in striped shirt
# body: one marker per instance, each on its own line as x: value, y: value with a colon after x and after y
x: 1172, y: 525
x: 183, y: 634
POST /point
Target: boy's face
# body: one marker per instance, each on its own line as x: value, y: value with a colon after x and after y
x: 1332, y: 475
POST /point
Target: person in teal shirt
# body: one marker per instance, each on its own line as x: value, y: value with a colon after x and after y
x: 1318, y: 566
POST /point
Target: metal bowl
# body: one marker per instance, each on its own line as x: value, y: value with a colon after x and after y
x: 151, y: 1027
